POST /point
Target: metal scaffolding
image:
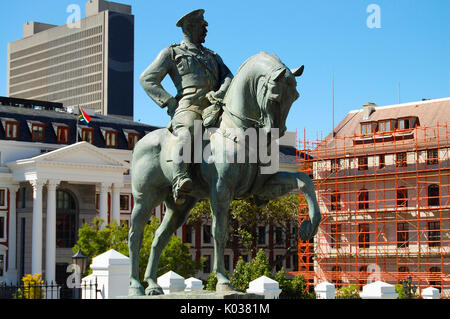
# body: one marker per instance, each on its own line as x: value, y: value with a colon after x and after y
x: 384, y: 200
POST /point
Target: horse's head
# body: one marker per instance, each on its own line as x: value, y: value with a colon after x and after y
x: 277, y: 94
x: 262, y: 92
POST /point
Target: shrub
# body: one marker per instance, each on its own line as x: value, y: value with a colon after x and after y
x: 348, y: 292
x: 31, y: 288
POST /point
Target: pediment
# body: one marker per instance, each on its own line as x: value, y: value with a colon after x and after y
x: 81, y: 153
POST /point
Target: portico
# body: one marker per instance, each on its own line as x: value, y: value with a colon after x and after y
x: 80, y: 164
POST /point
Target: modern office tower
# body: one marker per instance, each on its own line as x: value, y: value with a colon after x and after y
x: 91, y: 65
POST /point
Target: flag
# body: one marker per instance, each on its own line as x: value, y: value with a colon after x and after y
x: 83, y: 116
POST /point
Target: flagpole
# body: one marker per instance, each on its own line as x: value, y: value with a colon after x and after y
x: 76, y: 131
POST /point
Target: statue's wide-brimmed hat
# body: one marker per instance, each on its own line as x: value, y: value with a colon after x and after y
x: 196, y: 15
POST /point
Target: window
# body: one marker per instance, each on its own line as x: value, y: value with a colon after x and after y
x: 244, y: 258
x: 22, y: 198
x: 279, y: 236
x: 97, y: 201
x: 2, y: 228
x: 133, y: 138
x: 403, y: 269
x: 433, y: 195
x: 188, y: 234
x: 125, y: 202
x: 261, y: 235
x: 335, y: 201
x: 385, y: 126
x: 335, y: 234
x: 66, y: 220
x: 401, y: 159
x: 402, y: 235
x: 368, y: 128
x: 206, y: 234
x: 37, y: 132
x: 432, y: 156
x: 363, y: 163
x: 207, y: 264
x: 11, y: 130
x: 3, y: 198
x: 335, y: 164
x: 363, y: 199
x: 63, y: 135
x: 363, y: 235
x: 382, y: 161
x: 111, y: 138
x: 87, y: 135
x: 279, y: 262
x: 402, y: 195
x: 407, y: 123
x: 336, y: 276
x: 434, y: 234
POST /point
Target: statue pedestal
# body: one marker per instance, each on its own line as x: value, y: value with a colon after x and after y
x: 200, y: 294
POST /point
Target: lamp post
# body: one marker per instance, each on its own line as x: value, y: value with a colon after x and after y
x: 80, y: 260
x: 409, y: 288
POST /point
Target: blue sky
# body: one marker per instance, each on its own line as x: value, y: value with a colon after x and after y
x: 412, y: 47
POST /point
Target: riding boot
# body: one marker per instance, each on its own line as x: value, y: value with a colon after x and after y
x: 182, y: 183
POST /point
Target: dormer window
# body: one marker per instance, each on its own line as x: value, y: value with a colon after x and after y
x: 385, y: 126
x: 37, y: 132
x: 368, y: 128
x: 11, y: 129
x: 133, y: 138
x: 111, y: 138
x: 62, y: 134
x: 87, y: 135
x: 407, y: 123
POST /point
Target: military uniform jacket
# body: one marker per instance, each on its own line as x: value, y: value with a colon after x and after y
x: 195, y: 71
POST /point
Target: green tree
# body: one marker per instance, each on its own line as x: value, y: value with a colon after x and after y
x: 245, y: 272
x: 247, y: 214
x: 94, y: 241
x: 292, y: 288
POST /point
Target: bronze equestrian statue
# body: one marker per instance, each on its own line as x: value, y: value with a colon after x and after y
x: 258, y: 98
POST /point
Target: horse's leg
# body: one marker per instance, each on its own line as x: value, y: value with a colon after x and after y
x: 220, y: 200
x: 283, y: 183
x: 143, y: 207
x: 175, y: 217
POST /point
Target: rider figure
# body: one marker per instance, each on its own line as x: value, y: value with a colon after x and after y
x: 201, y: 79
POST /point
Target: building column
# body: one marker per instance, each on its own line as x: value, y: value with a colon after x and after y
x: 104, y: 203
x: 115, y: 201
x: 50, y: 243
x: 12, y: 235
x: 36, y: 253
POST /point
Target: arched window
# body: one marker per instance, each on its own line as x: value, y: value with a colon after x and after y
x: 363, y: 199
x: 66, y: 219
x: 433, y: 195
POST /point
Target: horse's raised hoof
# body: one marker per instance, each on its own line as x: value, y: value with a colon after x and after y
x: 224, y: 287
x: 135, y: 291
x: 154, y: 291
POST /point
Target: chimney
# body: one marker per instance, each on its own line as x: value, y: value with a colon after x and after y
x: 368, y: 109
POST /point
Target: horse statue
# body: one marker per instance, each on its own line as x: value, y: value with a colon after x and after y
x: 260, y: 97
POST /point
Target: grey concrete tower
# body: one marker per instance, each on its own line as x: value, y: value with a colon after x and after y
x: 91, y: 65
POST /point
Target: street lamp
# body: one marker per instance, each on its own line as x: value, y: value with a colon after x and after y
x: 80, y: 260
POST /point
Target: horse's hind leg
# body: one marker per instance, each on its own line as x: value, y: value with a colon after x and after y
x: 175, y: 217
x: 143, y: 207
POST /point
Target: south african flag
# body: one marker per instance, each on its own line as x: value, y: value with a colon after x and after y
x: 83, y: 116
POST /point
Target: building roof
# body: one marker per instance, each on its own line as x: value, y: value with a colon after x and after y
x: 347, y: 136
x: 25, y: 116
